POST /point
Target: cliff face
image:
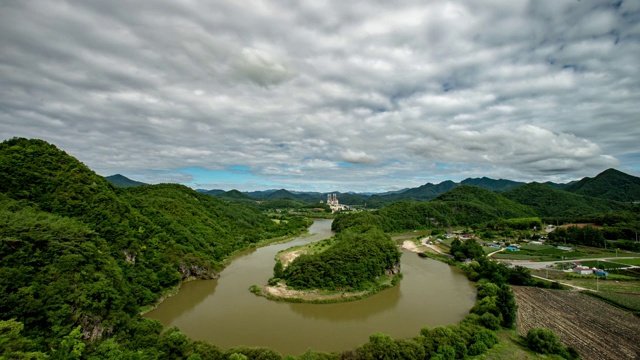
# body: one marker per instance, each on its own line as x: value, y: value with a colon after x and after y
x: 393, y: 271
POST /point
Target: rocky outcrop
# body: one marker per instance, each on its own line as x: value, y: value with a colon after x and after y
x: 93, y: 328
x: 196, y: 271
x: 393, y: 271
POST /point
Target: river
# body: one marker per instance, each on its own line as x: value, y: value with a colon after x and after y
x: 224, y: 312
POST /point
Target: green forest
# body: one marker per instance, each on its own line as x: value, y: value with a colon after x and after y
x: 356, y: 258
x: 80, y: 258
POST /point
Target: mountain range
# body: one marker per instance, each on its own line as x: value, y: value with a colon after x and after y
x: 611, y: 184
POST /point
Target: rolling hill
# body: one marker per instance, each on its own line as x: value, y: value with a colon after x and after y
x: 77, y: 251
x: 123, y: 181
x: 610, y: 184
x: 548, y: 201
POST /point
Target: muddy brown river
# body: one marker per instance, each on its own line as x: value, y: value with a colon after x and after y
x: 225, y: 313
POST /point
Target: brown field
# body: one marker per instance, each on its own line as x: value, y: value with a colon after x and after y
x: 594, y: 328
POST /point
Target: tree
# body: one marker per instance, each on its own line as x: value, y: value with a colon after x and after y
x: 278, y: 270
x: 13, y: 345
x: 507, y: 304
x: 544, y: 341
x: 71, y: 346
x: 380, y: 346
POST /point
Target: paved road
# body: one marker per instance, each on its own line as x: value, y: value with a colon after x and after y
x: 544, y: 264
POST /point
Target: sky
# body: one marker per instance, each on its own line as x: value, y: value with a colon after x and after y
x: 365, y: 96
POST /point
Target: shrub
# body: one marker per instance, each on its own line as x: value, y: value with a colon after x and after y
x: 477, y: 349
x: 544, y: 341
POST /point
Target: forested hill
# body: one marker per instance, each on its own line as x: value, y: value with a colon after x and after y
x: 548, y: 201
x: 123, y: 181
x: 468, y: 205
x: 610, y: 184
x: 464, y: 205
x: 77, y: 251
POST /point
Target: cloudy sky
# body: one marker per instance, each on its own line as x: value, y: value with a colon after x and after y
x: 326, y: 95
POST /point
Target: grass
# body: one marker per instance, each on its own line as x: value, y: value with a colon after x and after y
x: 510, y: 347
x: 489, y: 249
x: 603, y: 264
x: 531, y: 247
x: 311, y: 248
x: 635, y: 262
x: 614, y: 283
x: 511, y: 255
x: 606, y: 285
x: 624, y: 301
x: 412, y: 235
x: 447, y: 242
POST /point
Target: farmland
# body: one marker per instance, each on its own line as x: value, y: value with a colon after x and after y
x: 595, y: 329
x: 607, y: 265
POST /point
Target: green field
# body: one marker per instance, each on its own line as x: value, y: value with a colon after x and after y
x: 602, y: 264
x: 625, y: 301
x: 531, y: 247
x: 635, y: 262
x: 489, y: 249
x: 514, y: 255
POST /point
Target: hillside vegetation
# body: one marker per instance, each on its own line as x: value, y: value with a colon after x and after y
x: 353, y: 262
x: 79, y: 257
x: 611, y: 184
x: 77, y: 251
x: 548, y: 201
x: 462, y: 206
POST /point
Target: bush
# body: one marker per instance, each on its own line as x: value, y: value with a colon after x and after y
x: 487, y: 337
x: 544, y: 341
x: 477, y: 349
x: 490, y: 321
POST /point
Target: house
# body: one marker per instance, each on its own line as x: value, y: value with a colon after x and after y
x: 583, y: 270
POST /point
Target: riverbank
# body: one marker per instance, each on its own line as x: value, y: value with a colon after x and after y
x: 221, y: 311
x: 280, y: 292
x: 225, y: 262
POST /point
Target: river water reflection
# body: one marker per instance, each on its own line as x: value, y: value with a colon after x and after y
x: 225, y: 313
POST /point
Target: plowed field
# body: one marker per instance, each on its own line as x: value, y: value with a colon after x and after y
x: 597, y: 330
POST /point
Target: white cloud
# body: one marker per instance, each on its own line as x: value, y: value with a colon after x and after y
x: 409, y: 91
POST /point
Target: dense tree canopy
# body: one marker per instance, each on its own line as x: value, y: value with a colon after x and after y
x: 357, y: 257
x: 76, y: 251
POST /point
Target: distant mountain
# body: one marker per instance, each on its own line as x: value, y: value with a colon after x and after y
x: 491, y: 184
x: 430, y: 191
x: 493, y: 201
x: 212, y: 192
x: 424, y: 192
x: 549, y: 201
x: 557, y: 185
x: 260, y: 194
x: 234, y: 194
x: 610, y: 184
x: 281, y: 194
x: 123, y: 181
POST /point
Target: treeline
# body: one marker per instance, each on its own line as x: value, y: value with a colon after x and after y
x: 357, y: 257
x: 591, y: 236
x: 482, y: 209
x: 77, y: 252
